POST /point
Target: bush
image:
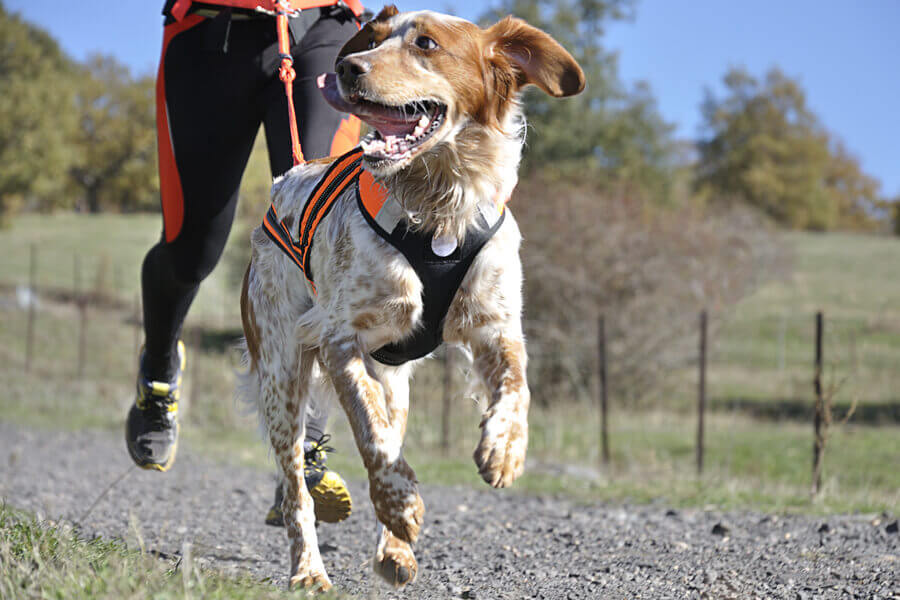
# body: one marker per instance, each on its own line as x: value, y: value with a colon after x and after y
x: 648, y: 270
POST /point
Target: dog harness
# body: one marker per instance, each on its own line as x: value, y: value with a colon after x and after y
x: 440, y: 263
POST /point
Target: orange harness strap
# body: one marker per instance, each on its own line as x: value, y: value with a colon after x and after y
x: 342, y: 173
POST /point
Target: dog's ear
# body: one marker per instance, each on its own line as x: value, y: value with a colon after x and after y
x: 535, y: 57
x: 367, y: 34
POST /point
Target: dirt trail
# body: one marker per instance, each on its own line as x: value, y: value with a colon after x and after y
x: 475, y: 543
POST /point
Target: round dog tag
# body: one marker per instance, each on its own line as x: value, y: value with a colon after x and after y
x: 444, y: 245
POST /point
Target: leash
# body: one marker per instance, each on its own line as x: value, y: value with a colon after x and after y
x: 287, y: 75
x: 282, y: 9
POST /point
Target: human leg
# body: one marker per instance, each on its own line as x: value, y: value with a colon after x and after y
x: 206, y: 125
x: 323, y: 130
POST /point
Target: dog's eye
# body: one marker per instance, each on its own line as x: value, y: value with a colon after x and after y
x: 426, y: 43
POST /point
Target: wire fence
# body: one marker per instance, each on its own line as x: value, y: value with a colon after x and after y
x: 799, y: 371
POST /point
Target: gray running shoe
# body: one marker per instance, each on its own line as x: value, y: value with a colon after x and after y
x: 151, y: 430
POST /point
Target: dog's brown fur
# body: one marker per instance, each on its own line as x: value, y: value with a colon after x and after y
x: 303, y: 346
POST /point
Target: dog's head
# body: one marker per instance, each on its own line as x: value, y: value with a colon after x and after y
x: 419, y: 78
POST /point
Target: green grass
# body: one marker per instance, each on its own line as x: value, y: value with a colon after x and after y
x: 40, y: 559
x: 749, y: 463
x: 765, y: 347
x: 109, y: 249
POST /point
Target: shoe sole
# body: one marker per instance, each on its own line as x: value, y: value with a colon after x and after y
x: 151, y: 466
x: 332, y: 506
x: 332, y: 501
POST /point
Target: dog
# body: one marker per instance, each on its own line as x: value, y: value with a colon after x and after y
x: 401, y: 245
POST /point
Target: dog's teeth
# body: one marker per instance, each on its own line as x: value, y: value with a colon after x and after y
x: 410, y: 138
x: 423, y: 122
x: 393, y: 144
x: 418, y: 131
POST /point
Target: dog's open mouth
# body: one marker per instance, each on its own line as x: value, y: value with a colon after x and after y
x: 397, y: 131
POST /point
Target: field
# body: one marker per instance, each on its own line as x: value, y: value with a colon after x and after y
x: 760, y: 352
x: 764, y: 350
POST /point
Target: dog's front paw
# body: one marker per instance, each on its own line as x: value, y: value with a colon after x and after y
x: 395, y: 495
x: 500, y: 454
x: 312, y: 581
x: 395, y: 562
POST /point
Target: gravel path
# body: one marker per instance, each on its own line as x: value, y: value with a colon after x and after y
x: 475, y: 543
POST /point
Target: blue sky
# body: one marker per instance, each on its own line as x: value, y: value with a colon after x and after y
x: 846, y: 54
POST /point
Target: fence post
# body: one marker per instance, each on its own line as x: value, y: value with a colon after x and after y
x: 81, y: 303
x: 701, y: 392
x: 32, y: 300
x: 447, y: 399
x: 601, y: 350
x: 818, y: 419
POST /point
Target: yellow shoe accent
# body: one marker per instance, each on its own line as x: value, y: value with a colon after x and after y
x: 332, y: 498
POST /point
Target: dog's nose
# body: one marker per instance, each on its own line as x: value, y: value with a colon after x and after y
x: 349, y: 70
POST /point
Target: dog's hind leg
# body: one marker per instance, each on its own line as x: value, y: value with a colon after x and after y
x: 392, y: 483
x: 281, y: 392
x: 284, y: 416
x: 394, y: 559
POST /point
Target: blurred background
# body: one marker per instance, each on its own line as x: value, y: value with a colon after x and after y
x: 737, y: 160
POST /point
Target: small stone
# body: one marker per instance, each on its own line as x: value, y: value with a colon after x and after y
x: 824, y: 528
x: 720, y: 530
x: 892, y: 527
x: 468, y: 594
x: 672, y: 513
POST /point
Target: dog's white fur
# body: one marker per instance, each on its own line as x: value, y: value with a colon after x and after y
x: 303, y: 346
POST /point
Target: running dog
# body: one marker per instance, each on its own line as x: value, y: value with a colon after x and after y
x: 364, y: 264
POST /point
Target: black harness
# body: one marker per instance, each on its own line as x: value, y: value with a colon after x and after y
x: 441, y: 276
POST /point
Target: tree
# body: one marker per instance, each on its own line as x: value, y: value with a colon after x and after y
x: 115, y: 165
x: 607, y: 135
x: 34, y: 114
x: 763, y: 146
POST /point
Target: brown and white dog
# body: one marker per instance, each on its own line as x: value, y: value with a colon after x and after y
x: 441, y: 96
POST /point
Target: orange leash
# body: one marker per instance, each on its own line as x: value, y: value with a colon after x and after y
x: 286, y: 72
x: 287, y: 75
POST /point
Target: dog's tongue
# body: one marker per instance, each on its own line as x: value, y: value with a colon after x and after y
x: 388, y: 121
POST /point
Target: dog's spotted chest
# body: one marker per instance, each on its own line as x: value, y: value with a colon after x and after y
x: 440, y: 266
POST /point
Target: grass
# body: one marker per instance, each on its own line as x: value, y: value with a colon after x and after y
x: 764, y: 348
x: 109, y: 250
x: 750, y: 463
x: 41, y: 559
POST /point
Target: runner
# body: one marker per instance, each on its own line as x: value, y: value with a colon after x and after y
x: 217, y: 83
